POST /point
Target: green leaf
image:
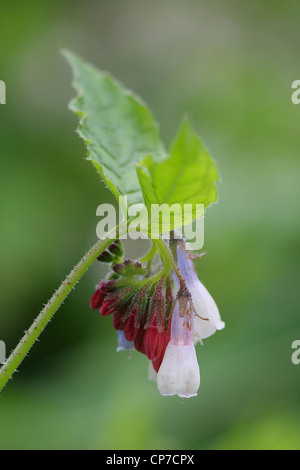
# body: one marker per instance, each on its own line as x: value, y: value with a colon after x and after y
x: 117, y: 127
x: 188, y: 176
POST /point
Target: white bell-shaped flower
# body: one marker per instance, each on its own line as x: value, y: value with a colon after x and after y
x: 207, y: 317
x: 206, y: 308
x: 179, y: 372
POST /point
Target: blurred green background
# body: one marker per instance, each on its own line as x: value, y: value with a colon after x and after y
x: 230, y: 65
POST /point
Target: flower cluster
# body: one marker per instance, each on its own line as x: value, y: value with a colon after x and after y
x: 140, y: 306
x: 162, y: 316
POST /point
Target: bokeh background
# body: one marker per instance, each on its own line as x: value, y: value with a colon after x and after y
x: 230, y: 65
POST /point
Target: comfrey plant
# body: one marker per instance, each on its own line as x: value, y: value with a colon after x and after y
x: 161, y: 315
x: 157, y: 303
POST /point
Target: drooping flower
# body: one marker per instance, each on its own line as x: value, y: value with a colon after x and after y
x: 179, y: 372
x: 207, y: 317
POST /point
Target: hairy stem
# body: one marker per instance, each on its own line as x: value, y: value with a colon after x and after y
x: 169, y: 261
x: 167, y: 256
x: 32, y: 334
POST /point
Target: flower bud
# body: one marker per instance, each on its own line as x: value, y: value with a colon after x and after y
x: 130, y: 330
x: 118, y: 323
x: 167, y: 336
x: 116, y: 248
x: 118, y: 268
x: 97, y: 299
x: 153, y: 340
x: 105, y: 257
x: 108, y: 307
x: 139, y: 340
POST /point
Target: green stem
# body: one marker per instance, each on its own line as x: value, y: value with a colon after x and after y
x: 54, y: 303
x: 150, y: 255
x: 148, y: 258
x: 169, y: 262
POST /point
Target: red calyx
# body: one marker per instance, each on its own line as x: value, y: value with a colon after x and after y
x: 118, y: 322
x: 154, y: 340
x: 130, y: 330
x: 167, y: 336
x: 97, y: 299
x: 98, y: 296
x: 139, y: 340
x: 107, y: 307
